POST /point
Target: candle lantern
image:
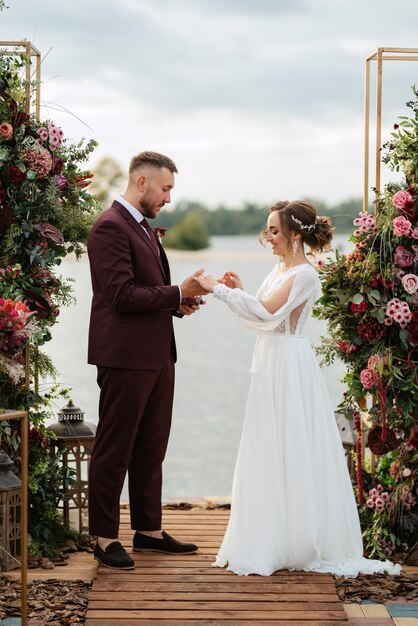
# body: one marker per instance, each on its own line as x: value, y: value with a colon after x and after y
x: 346, y: 430
x: 75, y: 438
x: 10, y: 515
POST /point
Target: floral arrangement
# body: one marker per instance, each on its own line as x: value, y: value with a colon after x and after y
x: 370, y: 299
x: 45, y: 214
x: 15, y: 332
x: 45, y: 210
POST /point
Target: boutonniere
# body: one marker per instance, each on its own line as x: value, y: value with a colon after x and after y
x: 160, y: 231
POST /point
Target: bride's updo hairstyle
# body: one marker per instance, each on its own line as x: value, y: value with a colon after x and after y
x: 301, y: 217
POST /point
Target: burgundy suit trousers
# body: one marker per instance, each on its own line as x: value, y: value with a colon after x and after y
x: 132, y: 435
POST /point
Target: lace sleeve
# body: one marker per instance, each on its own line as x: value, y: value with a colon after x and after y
x: 221, y: 292
x: 249, y: 308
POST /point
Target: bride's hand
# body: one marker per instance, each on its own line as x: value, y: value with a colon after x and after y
x: 231, y: 280
x: 207, y: 282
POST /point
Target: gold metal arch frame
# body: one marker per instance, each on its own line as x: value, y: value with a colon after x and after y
x: 380, y: 55
x: 32, y: 71
x: 32, y: 105
x: 23, y: 416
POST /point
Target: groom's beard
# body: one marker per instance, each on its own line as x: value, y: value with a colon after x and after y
x: 149, y: 209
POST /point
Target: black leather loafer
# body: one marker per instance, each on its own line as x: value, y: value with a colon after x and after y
x: 114, y: 556
x: 167, y: 544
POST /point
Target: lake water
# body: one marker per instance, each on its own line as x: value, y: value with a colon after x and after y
x: 212, y: 373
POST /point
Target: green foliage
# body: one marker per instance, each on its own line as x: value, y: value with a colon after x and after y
x: 391, y: 527
x: 46, y: 479
x: 45, y: 214
x: 188, y: 234
x: 402, y: 149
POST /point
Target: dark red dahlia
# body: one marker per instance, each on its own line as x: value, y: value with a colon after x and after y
x: 370, y: 329
x: 16, y: 175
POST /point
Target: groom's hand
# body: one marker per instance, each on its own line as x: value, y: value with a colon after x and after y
x: 184, y: 309
x: 190, y: 287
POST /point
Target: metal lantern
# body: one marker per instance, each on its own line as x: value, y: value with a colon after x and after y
x: 346, y: 429
x: 10, y: 515
x: 75, y: 438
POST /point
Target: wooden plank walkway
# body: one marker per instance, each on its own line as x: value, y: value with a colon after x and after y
x: 167, y: 590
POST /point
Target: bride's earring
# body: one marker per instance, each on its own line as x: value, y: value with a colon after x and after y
x: 295, y: 247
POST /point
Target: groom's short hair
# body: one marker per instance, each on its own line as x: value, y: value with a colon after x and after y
x: 152, y: 159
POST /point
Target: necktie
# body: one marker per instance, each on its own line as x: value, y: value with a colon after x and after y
x: 151, y: 235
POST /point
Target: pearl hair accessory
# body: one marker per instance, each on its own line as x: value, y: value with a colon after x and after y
x: 304, y: 226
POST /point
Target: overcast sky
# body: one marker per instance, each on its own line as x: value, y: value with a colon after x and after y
x: 255, y: 100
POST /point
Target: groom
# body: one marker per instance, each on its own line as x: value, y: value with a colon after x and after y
x: 132, y: 343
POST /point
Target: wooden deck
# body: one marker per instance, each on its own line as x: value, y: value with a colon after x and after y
x: 166, y: 590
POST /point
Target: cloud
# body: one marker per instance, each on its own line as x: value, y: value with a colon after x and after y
x: 249, y: 97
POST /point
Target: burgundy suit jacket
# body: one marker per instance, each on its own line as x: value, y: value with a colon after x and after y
x: 131, y: 323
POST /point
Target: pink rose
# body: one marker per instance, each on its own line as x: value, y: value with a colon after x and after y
x: 410, y: 283
x: 367, y: 378
x: 6, y: 130
x: 401, y: 227
x: 414, y: 233
x: 401, y: 199
x: 402, y: 257
x: 321, y: 263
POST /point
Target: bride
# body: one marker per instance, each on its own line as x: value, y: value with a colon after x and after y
x: 292, y: 503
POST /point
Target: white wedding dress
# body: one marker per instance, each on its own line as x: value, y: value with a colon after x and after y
x: 292, y: 503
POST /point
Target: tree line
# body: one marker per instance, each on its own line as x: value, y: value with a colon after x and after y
x: 190, y: 224
x: 251, y: 218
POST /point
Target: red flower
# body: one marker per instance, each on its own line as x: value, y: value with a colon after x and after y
x: 413, y: 335
x: 387, y: 284
x: 16, y: 175
x: 346, y: 346
x: 160, y: 231
x: 370, y: 329
x: 359, y: 308
x: 413, y: 439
